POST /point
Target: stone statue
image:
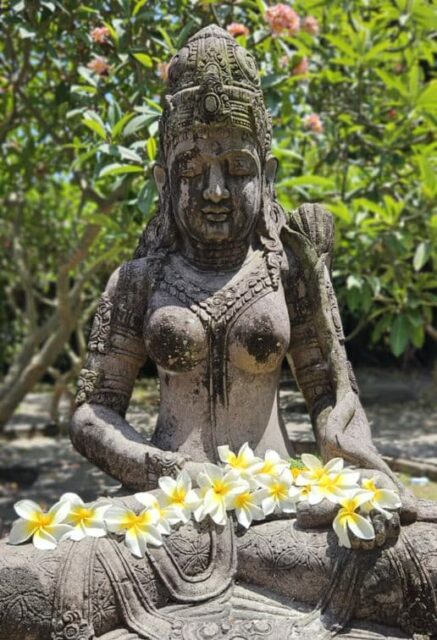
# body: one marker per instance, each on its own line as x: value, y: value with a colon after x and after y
x: 223, y: 286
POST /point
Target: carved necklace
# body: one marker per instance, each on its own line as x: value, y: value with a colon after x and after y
x: 218, y: 311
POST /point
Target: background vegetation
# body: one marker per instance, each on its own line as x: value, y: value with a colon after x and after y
x: 354, y: 105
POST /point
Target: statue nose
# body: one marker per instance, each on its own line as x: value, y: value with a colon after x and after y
x: 216, y: 190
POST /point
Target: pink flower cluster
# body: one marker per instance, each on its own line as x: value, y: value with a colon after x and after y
x: 99, y: 65
x: 314, y: 123
x: 237, y: 29
x: 282, y: 18
x: 100, y: 35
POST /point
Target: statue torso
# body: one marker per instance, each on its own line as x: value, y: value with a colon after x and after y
x: 218, y: 341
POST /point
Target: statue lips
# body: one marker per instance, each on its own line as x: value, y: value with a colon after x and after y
x: 216, y: 214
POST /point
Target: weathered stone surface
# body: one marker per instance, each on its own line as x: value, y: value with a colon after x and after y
x: 223, y: 287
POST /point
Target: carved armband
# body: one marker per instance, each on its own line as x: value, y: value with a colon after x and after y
x: 162, y: 463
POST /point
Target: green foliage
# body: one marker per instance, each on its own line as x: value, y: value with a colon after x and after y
x: 79, y: 124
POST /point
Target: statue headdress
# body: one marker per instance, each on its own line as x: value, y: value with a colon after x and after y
x: 213, y: 80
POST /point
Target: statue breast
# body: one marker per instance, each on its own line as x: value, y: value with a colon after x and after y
x: 256, y: 338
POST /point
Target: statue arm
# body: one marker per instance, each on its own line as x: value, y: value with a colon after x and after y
x: 116, y: 351
x: 317, y: 353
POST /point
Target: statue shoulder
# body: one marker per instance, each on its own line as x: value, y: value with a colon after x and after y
x: 130, y: 279
x: 316, y: 224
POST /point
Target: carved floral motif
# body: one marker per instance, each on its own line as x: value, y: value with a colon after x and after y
x: 71, y: 626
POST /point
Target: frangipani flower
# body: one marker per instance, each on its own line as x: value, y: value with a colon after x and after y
x: 168, y: 515
x: 348, y: 518
x: 86, y: 519
x: 177, y: 494
x: 334, y: 487
x: 381, y: 499
x: 247, y: 507
x: 277, y: 493
x: 315, y: 470
x: 272, y: 465
x: 45, y: 529
x: 140, y: 529
x: 240, y: 461
x: 220, y: 488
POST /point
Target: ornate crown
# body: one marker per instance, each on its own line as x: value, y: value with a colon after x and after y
x: 214, y: 81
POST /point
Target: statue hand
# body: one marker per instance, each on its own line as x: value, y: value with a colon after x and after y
x: 322, y: 515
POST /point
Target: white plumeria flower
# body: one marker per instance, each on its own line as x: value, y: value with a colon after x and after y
x: 178, y: 494
x: 247, y: 507
x: 348, y: 518
x: 277, y: 493
x: 240, y: 461
x: 220, y: 487
x: 334, y: 487
x: 45, y: 529
x: 168, y: 515
x: 381, y: 499
x: 315, y: 470
x: 139, y: 529
x: 86, y: 519
x: 272, y: 465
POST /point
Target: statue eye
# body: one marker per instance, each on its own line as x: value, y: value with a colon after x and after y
x: 241, y: 166
x: 188, y: 169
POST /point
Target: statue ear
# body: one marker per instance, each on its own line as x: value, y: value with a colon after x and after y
x: 270, y: 171
x: 160, y: 178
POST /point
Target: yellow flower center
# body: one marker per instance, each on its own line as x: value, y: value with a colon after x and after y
x: 136, y: 520
x: 178, y: 496
x: 278, y: 491
x: 242, y: 500
x: 349, y: 507
x: 295, y: 472
x: 81, y: 515
x: 370, y: 485
x: 220, y: 487
x: 43, y: 519
x: 237, y: 462
x: 267, y: 467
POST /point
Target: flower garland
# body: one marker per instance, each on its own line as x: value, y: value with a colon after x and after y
x: 250, y: 487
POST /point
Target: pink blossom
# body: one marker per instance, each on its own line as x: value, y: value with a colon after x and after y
x: 392, y: 114
x: 100, y: 35
x: 163, y: 70
x: 311, y: 25
x: 237, y: 29
x: 314, y: 123
x: 99, y: 65
x: 301, y: 68
x: 281, y: 18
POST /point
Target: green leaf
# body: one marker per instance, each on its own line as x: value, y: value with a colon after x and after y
x: 399, y: 335
x: 117, y: 169
x: 119, y: 125
x: 342, y: 45
x: 421, y: 255
x: 95, y: 126
x: 137, y: 123
x: 151, y: 147
x: 144, y: 59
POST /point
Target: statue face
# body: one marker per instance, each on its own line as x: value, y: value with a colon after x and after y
x: 215, y: 184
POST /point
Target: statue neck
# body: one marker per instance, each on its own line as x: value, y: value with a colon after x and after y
x: 221, y: 256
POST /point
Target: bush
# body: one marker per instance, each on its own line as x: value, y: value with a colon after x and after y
x: 353, y: 105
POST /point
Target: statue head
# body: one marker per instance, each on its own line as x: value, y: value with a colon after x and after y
x: 215, y: 176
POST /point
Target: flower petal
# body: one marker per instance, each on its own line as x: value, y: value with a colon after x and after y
x: 135, y: 543
x: 361, y: 527
x: 60, y: 511
x: 95, y: 530
x: 167, y: 485
x: 244, y: 517
x: 340, y: 528
x: 21, y: 531
x: 72, y: 498
x: 335, y: 465
x: 387, y: 499
x: 27, y: 509
x: 223, y: 452
x: 58, y: 531
x: 43, y: 541
x: 311, y: 462
x: 147, y: 499
x: 153, y: 536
